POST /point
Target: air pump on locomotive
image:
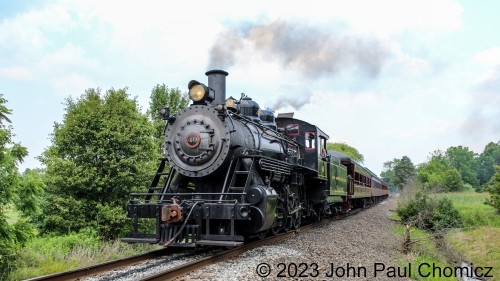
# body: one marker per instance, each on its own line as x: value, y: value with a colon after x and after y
x: 237, y: 172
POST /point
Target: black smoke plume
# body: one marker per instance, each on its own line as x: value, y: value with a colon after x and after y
x: 312, y: 51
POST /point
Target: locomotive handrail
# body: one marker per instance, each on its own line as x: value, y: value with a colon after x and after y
x: 265, y: 129
x: 184, y: 194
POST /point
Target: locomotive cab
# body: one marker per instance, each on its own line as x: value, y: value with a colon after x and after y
x: 312, y: 141
x: 315, y: 162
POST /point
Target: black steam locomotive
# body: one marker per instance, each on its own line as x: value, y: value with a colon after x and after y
x: 238, y: 172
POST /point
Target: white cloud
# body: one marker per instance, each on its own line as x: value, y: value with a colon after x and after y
x: 71, y: 84
x: 16, y: 73
x: 489, y: 57
x: 27, y: 35
x: 380, y: 17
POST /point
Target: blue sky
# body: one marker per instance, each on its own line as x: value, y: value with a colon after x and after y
x: 388, y: 77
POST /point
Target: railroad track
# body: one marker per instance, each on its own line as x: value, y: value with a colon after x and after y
x: 172, y: 273
x: 190, y: 267
x: 103, y: 267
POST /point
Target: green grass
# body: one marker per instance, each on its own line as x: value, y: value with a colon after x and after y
x: 472, y: 208
x: 480, y: 246
x: 50, y: 254
x: 422, y: 250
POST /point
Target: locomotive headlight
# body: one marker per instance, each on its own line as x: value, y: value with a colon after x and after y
x: 198, y: 92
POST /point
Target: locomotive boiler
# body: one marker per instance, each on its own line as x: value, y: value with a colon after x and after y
x: 232, y: 171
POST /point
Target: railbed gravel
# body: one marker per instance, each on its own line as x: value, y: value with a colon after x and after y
x: 150, y: 267
x: 358, y: 241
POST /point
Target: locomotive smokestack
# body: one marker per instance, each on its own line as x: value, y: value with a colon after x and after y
x: 217, y: 81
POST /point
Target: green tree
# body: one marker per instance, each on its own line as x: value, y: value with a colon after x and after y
x: 452, y: 180
x: 493, y: 187
x: 433, y: 172
x: 486, y: 162
x: 347, y: 150
x: 464, y: 161
x: 387, y: 173
x: 162, y: 96
x: 30, y: 193
x: 102, y: 151
x: 12, y: 236
x: 398, y: 172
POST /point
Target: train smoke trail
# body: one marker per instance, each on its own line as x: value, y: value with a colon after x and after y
x: 484, y: 115
x: 311, y: 51
x: 294, y: 99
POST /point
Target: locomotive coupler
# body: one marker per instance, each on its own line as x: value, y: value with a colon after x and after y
x: 171, y: 213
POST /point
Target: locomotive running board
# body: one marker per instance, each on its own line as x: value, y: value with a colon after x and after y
x: 139, y: 240
x: 219, y: 243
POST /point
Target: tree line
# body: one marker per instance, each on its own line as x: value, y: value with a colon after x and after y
x: 456, y: 169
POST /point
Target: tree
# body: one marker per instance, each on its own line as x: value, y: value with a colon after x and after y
x: 12, y: 236
x: 452, y: 180
x: 493, y: 187
x: 162, y: 96
x: 387, y: 174
x: 464, y: 161
x: 486, y: 162
x: 439, y: 175
x: 347, y: 150
x: 398, y: 172
x: 30, y: 193
x: 102, y: 151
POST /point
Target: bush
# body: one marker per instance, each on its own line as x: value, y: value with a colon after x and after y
x: 12, y: 239
x: 445, y: 215
x: 8, y: 253
x: 427, y: 213
x: 62, y: 215
x: 111, y: 222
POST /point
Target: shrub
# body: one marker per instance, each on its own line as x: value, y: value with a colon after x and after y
x: 445, y: 215
x: 427, y: 213
x: 111, y: 221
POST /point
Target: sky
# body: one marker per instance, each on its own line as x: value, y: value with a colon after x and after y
x: 389, y: 77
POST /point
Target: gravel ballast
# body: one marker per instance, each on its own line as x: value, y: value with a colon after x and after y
x: 360, y: 247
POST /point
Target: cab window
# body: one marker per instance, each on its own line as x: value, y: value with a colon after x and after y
x: 292, y: 130
x: 322, y: 147
x: 310, y: 140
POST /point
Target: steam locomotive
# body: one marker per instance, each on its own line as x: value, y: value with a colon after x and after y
x: 237, y: 171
